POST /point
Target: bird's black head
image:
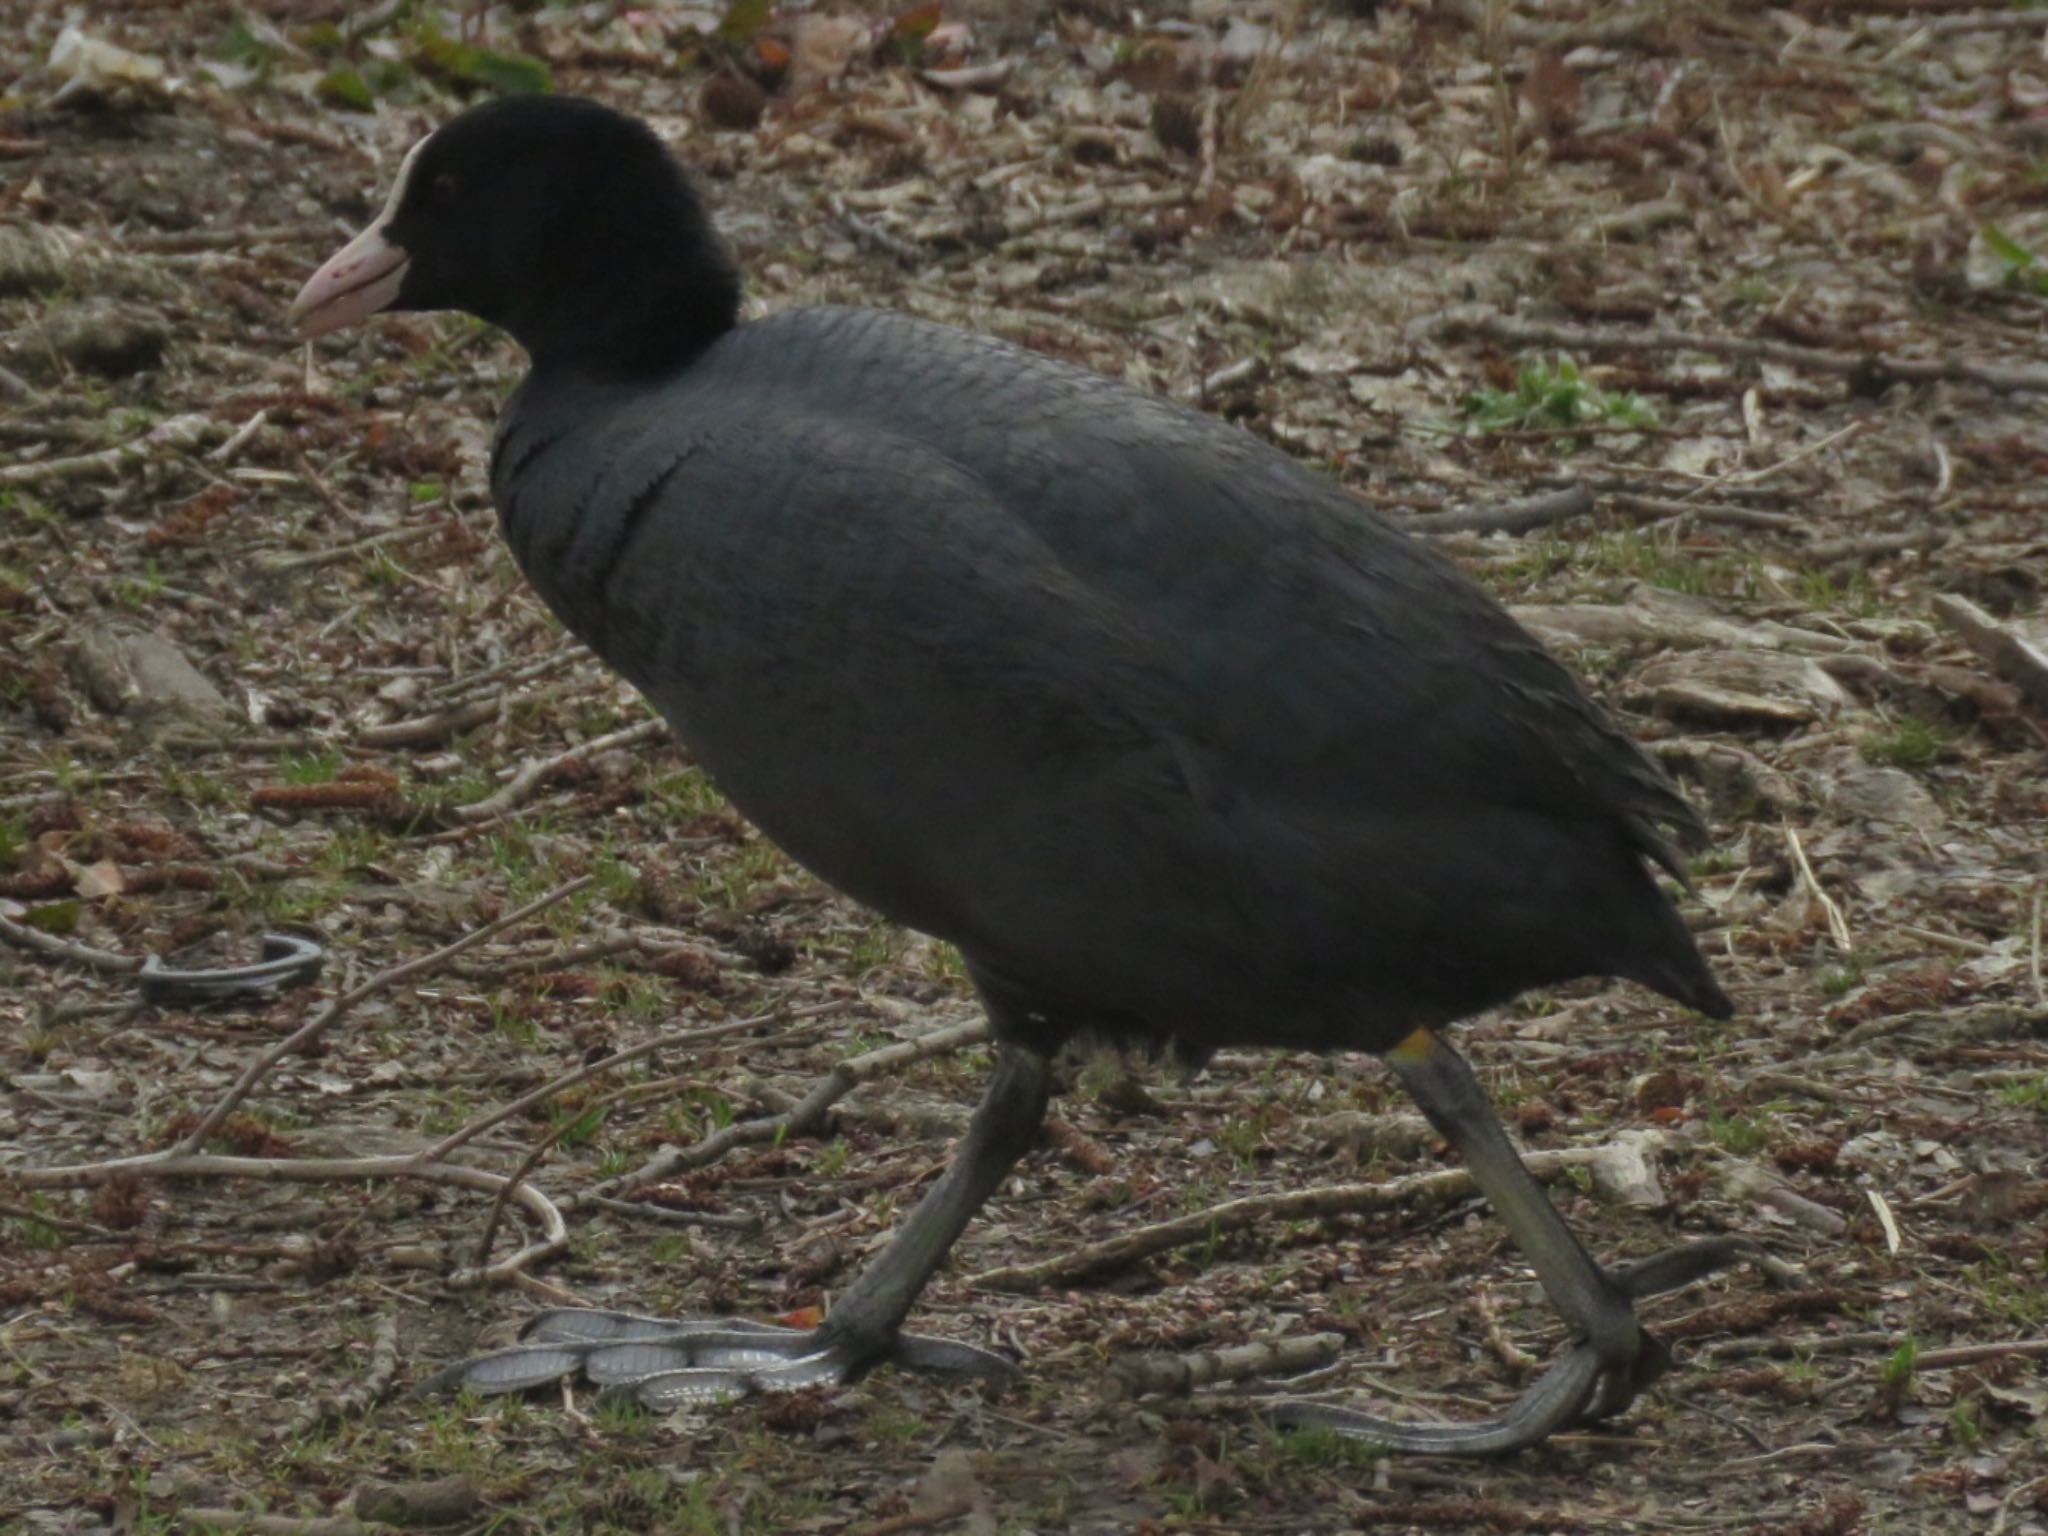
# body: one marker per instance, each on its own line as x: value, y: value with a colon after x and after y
x: 565, y: 222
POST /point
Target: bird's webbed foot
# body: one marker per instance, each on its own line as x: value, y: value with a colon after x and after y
x: 677, y: 1362
x: 1591, y: 1381
x: 1611, y: 1358
x: 673, y: 1362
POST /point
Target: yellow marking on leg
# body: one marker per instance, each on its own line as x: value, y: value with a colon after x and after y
x: 1415, y: 1048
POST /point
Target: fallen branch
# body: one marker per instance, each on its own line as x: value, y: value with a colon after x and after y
x: 1080, y: 1149
x: 809, y: 1111
x: 63, y: 949
x: 1180, y: 1374
x: 1544, y: 511
x: 174, y: 435
x: 430, y: 730
x: 1870, y: 368
x: 1709, y: 512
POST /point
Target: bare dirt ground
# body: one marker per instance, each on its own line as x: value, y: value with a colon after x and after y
x: 1766, y: 282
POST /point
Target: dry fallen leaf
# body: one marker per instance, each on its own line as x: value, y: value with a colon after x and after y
x: 104, y: 878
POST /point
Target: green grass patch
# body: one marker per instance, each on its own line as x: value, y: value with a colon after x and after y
x: 1909, y: 742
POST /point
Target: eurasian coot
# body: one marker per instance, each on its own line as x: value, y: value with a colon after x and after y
x: 1175, y: 740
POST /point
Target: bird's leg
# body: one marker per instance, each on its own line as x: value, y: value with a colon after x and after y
x: 667, y: 1362
x: 1612, y: 1358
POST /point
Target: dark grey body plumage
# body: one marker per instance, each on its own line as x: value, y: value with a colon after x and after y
x: 1173, y: 737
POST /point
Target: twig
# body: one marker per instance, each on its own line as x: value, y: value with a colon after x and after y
x: 1873, y: 366
x: 226, y: 239
x: 1438, y: 1187
x: 444, y: 1148
x: 2011, y: 1502
x: 874, y: 235
x: 1710, y: 512
x: 1180, y: 1374
x: 1510, y: 1354
x: 314, y: 1170
x: 1870, y: 546
x: 515, y: 1182
x: 1838, y: 925
x: 811, y: 1109
x: 534, y: 774
x: 63, y: 949
x: 1543, y: 511
x: 61, y: 1223
x: 321, y: 1022
x: 239, y: 439
x: 299, y: 1038
x: 1924, y: 30
x: 504, y: 674
x: 179, y: 432
x: 647, y: 1210
x: 1974, y: 1354
x: 2034, y: 949
x: 280, y: 565
x: 430, y: 730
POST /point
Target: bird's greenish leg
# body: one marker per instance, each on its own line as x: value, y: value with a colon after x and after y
x: 1004, y: 1128
x: 1445, y: 1089
x: 1612, y: 1358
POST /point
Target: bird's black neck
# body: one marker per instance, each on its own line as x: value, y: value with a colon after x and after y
x: 632, y: 324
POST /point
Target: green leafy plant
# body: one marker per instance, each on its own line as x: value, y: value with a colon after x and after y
x: 309, y: 768
x: 2019, y: 267
x: 1554, y: 394
x: 2030, y: 1094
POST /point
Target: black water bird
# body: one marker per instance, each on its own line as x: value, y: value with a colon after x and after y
x: 1176, y: 741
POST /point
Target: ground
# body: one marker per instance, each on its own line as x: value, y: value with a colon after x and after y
x: 1763, y: 284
